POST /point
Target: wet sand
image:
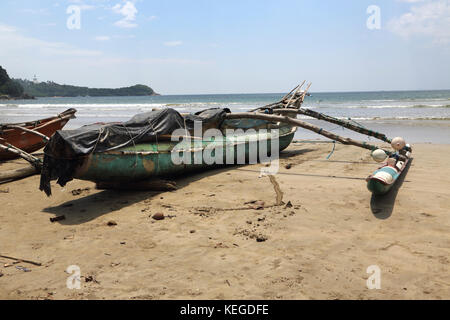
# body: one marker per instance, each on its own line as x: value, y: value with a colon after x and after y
x: 213, y: 244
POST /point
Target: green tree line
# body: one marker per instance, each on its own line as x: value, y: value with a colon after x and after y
x: 52, y: 89
x: 8, y: 87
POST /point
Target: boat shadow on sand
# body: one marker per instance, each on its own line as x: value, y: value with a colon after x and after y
x: 382, y: 206
x: 92, y: 206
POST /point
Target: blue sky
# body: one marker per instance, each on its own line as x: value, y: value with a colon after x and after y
x: 208, y: 46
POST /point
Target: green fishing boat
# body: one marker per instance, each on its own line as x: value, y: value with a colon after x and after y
x: 162, y: 159
x: 163, y: 143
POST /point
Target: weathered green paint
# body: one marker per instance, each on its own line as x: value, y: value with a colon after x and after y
x: 377, y: 187
x: 144, y: 161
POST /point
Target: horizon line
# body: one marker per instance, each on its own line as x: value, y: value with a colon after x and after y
x: 311, y: 92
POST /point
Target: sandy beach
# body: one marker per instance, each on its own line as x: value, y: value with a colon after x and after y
x: 216, y: 243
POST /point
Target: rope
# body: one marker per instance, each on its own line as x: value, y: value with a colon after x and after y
x: 134, y: 145
x: 357, y: 123
x: 332, y: 151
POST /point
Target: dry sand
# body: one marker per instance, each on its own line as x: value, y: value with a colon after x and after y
x: 320, y: 248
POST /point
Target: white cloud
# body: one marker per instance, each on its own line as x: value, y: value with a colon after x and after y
x: 129, y: 11
x: 18, y: 42
x: 430, y: 19
x: 173, y: 43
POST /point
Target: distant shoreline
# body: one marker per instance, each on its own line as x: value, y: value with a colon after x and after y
x: 51, y: 89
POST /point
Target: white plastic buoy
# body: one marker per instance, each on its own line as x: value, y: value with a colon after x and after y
x: 379, y: 155
x: 398, y: 143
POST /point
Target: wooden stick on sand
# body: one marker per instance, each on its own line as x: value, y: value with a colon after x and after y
x: 22, y: 260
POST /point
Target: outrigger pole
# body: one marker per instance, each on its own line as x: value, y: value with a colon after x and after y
x: 343, y: 123
x: 35, y: 162
x: 305, y: 125
x: 291, y: 104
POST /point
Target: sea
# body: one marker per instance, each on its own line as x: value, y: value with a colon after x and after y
x: 418, y: 116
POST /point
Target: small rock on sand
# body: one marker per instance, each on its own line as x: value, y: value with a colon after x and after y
x: 261, y: 238
x: 158, y: 216
x: 112, y: 223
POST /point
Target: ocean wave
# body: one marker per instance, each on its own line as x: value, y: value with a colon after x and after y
x: 387, y: 106
x: 204, y: 105
x: 444, y: 118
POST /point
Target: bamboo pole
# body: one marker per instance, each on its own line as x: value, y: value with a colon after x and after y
x: 301, y: 85
x: 280, y: 103
x: 43, y: 136
x: 305, y: 125
x: 293, y: 96
x: 346, y: 124
x: 28, y: 157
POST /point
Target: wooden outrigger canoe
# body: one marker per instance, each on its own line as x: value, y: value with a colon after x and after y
x: 154, y: 160
x: 30, y: 136
x: 142, y: 163
x: 156, y: 156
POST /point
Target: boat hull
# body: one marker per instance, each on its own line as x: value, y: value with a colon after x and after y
x: 29, y: 142
x: 154, y: 160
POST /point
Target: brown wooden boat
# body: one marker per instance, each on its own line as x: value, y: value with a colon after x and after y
x: 29, y: 136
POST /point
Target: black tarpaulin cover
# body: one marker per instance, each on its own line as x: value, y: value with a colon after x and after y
x: 67, y: 147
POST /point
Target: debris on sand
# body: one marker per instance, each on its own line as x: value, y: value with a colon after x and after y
x: 252, y: 234
x: 256, y: 204
x: 261, y: 238
x: 58, y: 218
x: 158, y: 216
x: 23, y: 269
x: 91, y: 279
x: 111, y: 223
x: 288, y: 205
x: 78, y: 192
